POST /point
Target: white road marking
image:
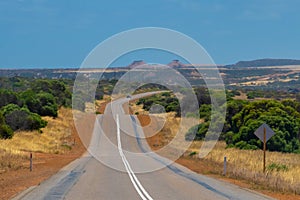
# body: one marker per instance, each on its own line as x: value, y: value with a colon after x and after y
x: 136, y: 183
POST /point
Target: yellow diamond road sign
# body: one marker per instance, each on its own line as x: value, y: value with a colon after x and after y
x: 260, y: 132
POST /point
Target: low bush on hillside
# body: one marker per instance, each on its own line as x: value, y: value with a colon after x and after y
x: 21, y: 107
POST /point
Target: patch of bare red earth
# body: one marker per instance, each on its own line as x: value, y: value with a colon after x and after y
x: 45, y: 165
x: 209, y: 168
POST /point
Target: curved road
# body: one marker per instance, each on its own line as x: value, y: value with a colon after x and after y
x: 121, y: 172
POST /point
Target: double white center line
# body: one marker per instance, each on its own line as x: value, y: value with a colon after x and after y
x: 136, y: 183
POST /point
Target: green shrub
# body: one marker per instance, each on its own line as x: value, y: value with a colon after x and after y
x: 192, y: 153
x: 49, y: 110
x: 22, y: 119
x: 35, y: 122
x: 245, y: 145
x: 8, y: 97
x: 197, y: 132
x: 9, y: 109
x: 5, y: 132
x: 205, y: 112
x: 276, y: 167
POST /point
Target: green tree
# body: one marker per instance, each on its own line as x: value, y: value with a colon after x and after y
x: 57, y: 88
x: 8, y: 97
x: 42, y: 103
x: 280, y: 116
x: 47, y: 105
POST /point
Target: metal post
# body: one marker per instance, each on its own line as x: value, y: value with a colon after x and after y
x: 264, y: 168
x: 30, y: 165
x: 225, y: 166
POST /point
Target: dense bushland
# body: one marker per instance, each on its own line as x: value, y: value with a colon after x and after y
x: 24, y: 101
x: 243, y: 117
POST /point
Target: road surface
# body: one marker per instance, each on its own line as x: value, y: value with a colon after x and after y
x: 124, y: 170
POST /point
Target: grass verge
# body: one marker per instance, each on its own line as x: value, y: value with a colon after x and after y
x: 55, y: 139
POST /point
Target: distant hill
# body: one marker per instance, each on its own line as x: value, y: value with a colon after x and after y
x: 176, y: 64
x: 264, y: 62
x: 136, y: 63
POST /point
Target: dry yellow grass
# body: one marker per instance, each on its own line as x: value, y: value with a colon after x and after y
x: 55, y: 138
x: 248, y: 165
x: 241, y: 164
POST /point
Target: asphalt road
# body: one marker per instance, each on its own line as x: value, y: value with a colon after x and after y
x: 120, y: 165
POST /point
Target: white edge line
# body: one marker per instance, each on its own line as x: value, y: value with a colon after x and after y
x: 137, y: 185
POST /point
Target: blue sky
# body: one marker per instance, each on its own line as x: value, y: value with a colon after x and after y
x: 55, y: 33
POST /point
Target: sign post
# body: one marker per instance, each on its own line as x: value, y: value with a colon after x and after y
x: 264, y: 133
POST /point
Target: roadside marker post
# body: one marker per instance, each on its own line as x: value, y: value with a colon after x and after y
x: 264, y: 133
x: 225, y: 166
x: 30, y: 164
x: 265, y: 146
